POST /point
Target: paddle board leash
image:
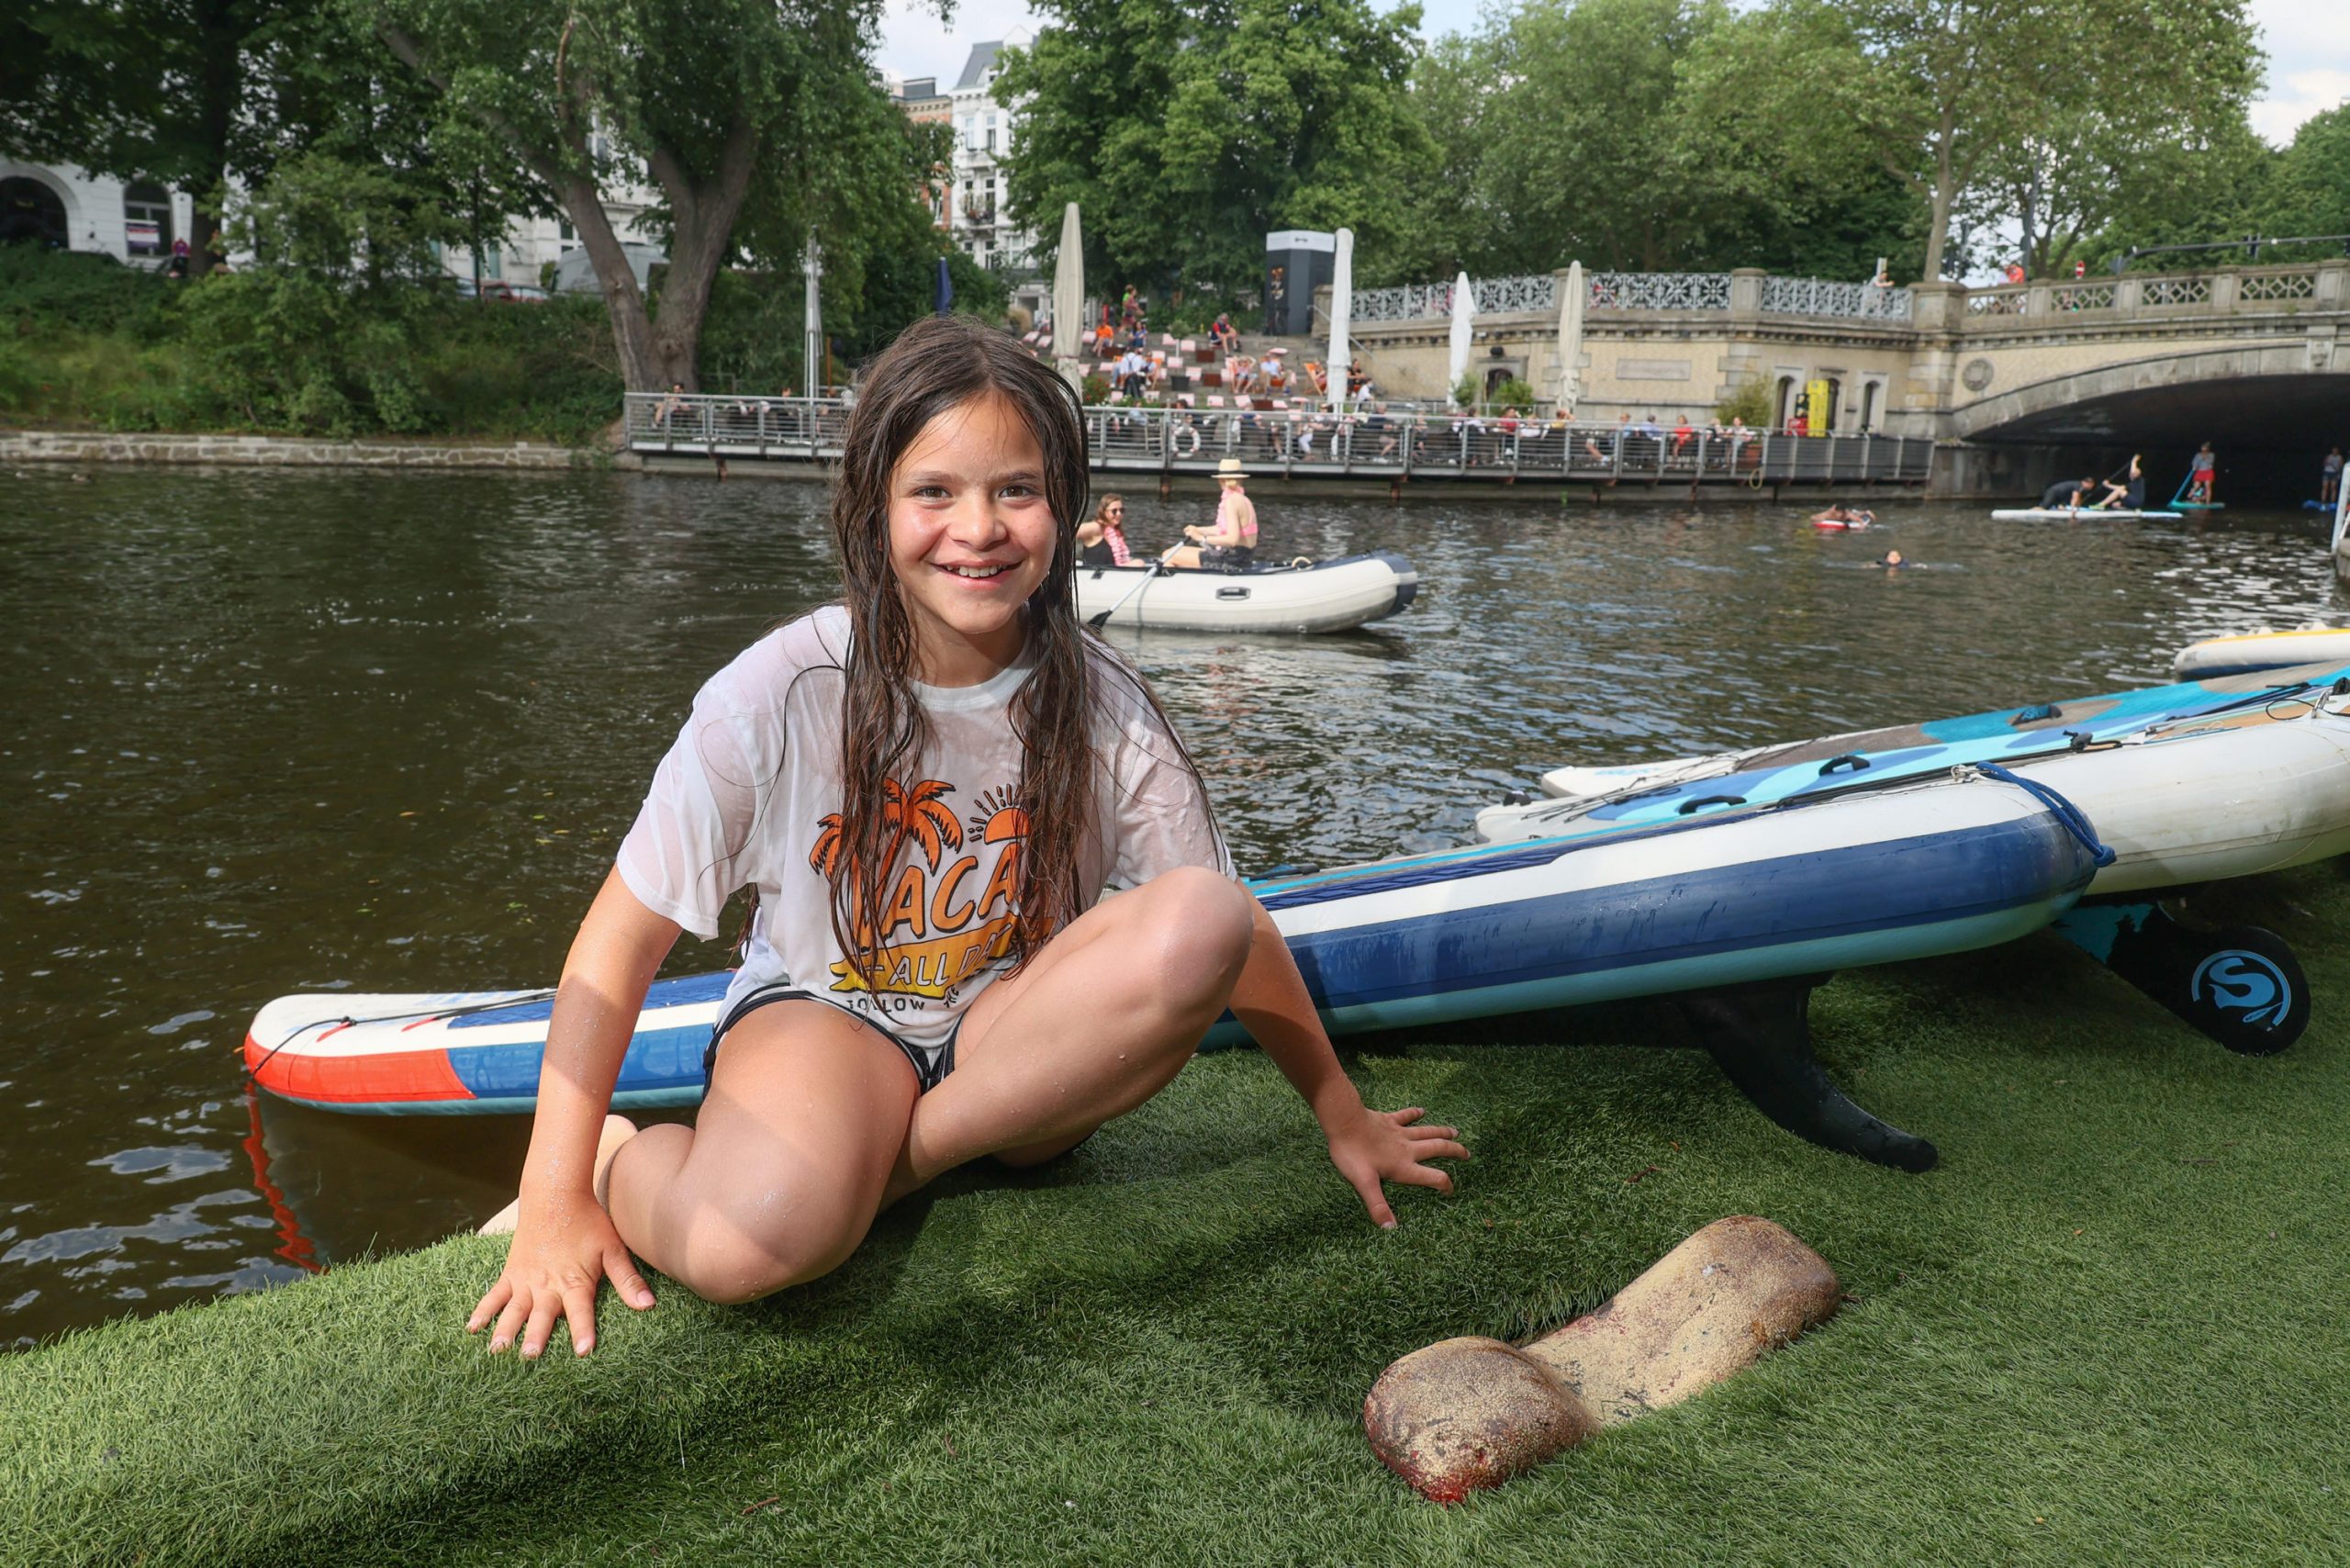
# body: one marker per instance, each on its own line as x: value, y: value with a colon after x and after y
x: 2074, y: 820
x: 1103, y: 619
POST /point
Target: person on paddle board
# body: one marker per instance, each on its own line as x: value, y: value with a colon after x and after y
x: 1838, y: 515
x: 2068, y: 495
x: 2202, y: 473
x: 1231, y: 544
x: 928, y: 786
x: 2129, y: 496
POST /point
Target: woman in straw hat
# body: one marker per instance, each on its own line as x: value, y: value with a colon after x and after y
x: 1231, y: 544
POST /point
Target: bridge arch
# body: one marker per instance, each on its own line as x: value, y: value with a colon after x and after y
x: 2279, y: 395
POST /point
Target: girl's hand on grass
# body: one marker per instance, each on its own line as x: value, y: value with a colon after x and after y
x: 1373, y: 1148
x: 564, y: 1246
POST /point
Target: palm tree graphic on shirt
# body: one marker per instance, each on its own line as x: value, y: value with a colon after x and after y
x: 920, y: 815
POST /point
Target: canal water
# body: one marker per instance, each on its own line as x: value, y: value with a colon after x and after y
x: 272, y: 732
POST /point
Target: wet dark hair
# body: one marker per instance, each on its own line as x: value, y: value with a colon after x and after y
x: 936, y: 365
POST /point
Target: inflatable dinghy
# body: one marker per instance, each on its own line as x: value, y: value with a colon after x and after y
x: 2252, y: 652
x: 1323, y: 596
x: 2253, y: 789
x: 1670, y: 786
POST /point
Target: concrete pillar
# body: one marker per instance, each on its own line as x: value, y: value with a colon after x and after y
x: 2129, y: 292
x: 2039, y: 300
x: 1746, y: 293
x: 2224, y: 289
x: 2333, y: 285
x: 1937, y: 306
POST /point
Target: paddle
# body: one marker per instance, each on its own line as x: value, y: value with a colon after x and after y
x: 1102, y: 618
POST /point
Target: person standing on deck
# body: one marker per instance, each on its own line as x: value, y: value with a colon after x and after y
x: 1231, y: 544
x: 2330, y: 479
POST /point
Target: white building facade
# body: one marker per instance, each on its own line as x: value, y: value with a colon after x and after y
x: 137, y: 222
x: 67, y: 209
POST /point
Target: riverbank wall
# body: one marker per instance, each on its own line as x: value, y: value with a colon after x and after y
x: 284, y: 452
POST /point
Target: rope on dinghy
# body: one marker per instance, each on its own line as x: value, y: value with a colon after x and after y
x: 2075, y: 822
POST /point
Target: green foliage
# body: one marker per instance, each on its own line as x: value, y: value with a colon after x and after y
x: 758, y: 121
x: 79, y: 289
x: 1512, y: 394
x: 2309, y: 191
x: 1749, y: 400
x: 1618, y: 132
x: 1464, y: 391
x: 1187, y: 130
x: 282, y: 351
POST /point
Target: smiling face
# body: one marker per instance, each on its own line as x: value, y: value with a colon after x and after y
x: 971, y: 537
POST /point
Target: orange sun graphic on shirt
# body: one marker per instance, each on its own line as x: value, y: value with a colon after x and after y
x: 998, y: 818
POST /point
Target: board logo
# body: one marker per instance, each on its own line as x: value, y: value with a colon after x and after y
x: 2244, y: 983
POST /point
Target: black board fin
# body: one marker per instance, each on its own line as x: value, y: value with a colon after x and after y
x: 2241, y: 986
x: 1761, y: 1037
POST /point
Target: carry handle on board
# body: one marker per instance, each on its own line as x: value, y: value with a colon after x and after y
x: 1702, y: 801
x: 1851, y: 760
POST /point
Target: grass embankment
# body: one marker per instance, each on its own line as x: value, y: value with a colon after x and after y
x: 88, y: 344
x: 2107, y: 1330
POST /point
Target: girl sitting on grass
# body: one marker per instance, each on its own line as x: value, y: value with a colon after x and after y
x: 928, y: 785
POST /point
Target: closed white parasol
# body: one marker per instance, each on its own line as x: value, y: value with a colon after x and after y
x: 1342, y: 311
x: 1570, y: 341
x: 1464, y: 315
x: 1069, y: 299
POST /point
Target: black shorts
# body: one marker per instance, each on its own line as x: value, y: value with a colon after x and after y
x: 1227, y: 558
x: 931, y: 1068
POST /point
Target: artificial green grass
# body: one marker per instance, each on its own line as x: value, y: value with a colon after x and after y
x: 2107, y: 1330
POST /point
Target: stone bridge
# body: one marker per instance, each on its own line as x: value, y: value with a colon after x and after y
x: 2011, y: 381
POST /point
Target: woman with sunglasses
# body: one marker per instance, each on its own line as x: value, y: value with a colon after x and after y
x: 1102, y: 538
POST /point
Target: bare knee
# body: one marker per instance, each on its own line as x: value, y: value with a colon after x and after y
x: 1198, y: 927
x: 750, y: 1248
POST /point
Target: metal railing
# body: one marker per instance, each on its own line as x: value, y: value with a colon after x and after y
x: 1821, y: 296
x: 1303, y: 443
x: 1658, y: 291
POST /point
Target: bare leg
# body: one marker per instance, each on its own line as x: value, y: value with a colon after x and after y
x: 1182, y: 555
x: 1099, y: 1022
x: 785, y: 1168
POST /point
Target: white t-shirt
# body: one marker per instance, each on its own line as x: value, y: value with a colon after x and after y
x: 749, y: 796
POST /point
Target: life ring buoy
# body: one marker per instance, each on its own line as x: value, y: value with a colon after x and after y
x: 1175, y: 442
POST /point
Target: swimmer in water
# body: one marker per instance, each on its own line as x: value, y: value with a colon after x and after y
x: 1891, y: 559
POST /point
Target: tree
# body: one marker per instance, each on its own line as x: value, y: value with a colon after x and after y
x: 213, y: 95
x: 760, y: 113
x: 2129, y: 140
x: 1961, y: 97
x: 1577, y: 140
x: 2308, y: 190
x: 1618, y: 132
x: 1186, y: 129
x: 156, y: 91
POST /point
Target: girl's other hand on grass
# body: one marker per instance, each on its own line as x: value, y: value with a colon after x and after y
x: 1373, y: 1148
x: 564, y: 1246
